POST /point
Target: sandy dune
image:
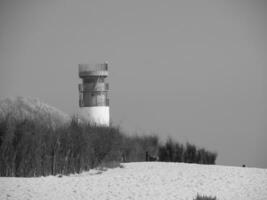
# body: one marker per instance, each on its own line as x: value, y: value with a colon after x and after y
x: 151, y: 180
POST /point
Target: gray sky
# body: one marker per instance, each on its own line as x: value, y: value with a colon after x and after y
x: 193, y: 70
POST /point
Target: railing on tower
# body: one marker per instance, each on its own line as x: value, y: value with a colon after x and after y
x: 93, y: 87
x: 96, y: 102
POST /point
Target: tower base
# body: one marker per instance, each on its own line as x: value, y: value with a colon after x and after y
x: 96, y: 115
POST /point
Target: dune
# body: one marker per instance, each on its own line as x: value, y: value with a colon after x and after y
x: 144, y: 180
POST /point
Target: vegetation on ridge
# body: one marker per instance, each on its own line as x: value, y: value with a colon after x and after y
x: 31, y: 147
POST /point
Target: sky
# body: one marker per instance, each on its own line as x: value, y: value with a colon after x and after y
x: 191, y: 70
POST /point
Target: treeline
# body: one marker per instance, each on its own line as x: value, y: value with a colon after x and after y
x: 31, y: 148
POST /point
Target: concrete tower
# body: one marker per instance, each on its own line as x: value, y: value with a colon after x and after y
x: 93, y: 101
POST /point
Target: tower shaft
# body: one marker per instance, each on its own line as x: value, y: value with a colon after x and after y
x: 93, y: 94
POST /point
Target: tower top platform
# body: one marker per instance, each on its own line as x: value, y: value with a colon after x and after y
x: 87, y: 70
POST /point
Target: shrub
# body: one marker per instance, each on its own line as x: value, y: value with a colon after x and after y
x: 204, y: 197
x: 176, y: 152
x: 134, y: 148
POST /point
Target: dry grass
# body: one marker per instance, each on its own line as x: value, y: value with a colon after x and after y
x: 204, y: 197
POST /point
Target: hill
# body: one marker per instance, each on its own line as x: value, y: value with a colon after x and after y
x: 144, y: 180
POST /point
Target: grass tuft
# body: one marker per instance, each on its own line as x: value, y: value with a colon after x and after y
x: 204, y: 197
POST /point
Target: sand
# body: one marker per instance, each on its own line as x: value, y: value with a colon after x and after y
x: 144, y: 180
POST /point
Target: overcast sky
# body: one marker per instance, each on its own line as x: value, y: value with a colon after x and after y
x: 193, y: 70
